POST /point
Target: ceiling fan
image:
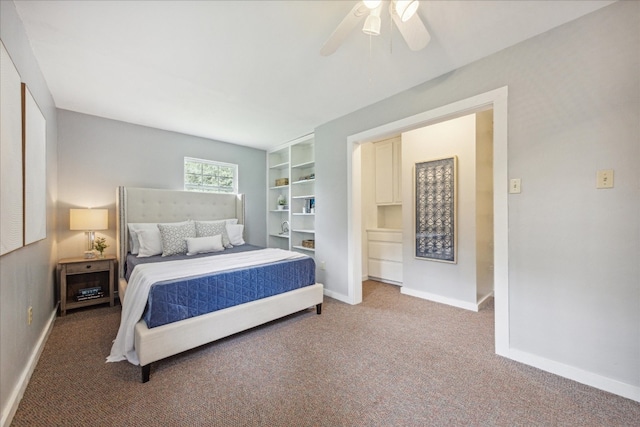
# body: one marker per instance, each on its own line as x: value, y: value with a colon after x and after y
x: 402, y: 12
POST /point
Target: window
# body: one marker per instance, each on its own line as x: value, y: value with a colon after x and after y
x: 210, y: 176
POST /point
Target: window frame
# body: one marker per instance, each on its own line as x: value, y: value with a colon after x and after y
x: 209, y: 189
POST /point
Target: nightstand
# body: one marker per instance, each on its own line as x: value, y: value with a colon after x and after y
x: 83, y: 282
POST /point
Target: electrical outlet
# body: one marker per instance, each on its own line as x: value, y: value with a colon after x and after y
x: 29, y: 315
x: 322, y: 265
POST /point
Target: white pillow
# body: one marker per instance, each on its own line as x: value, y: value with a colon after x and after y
x: 134, y: 228
x: 150, y: 242
x: 203, y: 245
x: 235, y: 234
x: 174, y: 237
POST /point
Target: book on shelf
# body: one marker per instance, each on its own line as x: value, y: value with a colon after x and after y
x: 89, y: 297
x: 89, y: 291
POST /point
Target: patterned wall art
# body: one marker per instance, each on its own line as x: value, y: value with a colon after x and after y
x: 435, y: 202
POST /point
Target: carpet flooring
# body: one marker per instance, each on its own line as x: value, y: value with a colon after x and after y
x: 393, y: 360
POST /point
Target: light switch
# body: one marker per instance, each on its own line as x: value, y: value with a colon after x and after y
x: 514, y: 186
x: 604, y: 178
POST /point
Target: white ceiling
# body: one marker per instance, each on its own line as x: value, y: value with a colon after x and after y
x: 250, y: 72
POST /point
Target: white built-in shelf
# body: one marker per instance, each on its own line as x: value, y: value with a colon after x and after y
x: 304, y: 165
x: 303, y: 181
x: 283, y: 236
x: 279, y: 187
x: 304, y: 231
x: 304, y: 248
x: 303, y: 214
x: 309, y: 196
x: 279, y: 210
x: 280, y: 166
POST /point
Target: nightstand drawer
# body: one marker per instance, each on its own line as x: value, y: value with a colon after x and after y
x: 88, y: 267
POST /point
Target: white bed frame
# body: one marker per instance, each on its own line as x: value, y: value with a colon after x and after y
x: 153, y: 205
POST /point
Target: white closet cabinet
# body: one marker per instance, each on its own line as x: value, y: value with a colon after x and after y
x: 385, y: 255
x: 388, y: 155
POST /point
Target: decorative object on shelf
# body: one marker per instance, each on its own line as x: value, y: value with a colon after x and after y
x: 282, y: 202
x: 282, y: 181
x: 307, y: 177
x: 309, y: 244
x: 285, y: 228
x: 435, y: 203
x: 100, y: 245
x: 88, y: 220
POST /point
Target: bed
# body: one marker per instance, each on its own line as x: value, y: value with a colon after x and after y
x: 294, y: 286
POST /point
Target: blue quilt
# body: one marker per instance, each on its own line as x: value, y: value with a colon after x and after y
x: 174, y: 300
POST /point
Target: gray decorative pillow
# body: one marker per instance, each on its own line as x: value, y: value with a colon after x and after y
x: 174, y: 237
x: 212, y: 228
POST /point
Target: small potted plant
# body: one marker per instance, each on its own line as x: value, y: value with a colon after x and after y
x: 100, y: 245
x: 282, y: 201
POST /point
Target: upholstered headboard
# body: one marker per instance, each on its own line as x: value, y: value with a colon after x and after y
x: 154, y: 205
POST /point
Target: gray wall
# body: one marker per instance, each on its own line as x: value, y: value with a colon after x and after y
x: 97, y: 155
x: 453, y: 281
x: 574, y: 108
x: 27, y: 274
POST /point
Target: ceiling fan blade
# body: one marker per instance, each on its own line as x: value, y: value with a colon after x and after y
x: 413, y: 31
x: 344, y: 28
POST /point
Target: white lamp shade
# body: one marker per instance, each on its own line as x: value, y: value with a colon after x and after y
x: 406, y: 9
x: 372, y: 25
x: 372, y: 4
x: 88, y: 219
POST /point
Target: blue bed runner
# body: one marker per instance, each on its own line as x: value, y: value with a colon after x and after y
x: 174, y: 300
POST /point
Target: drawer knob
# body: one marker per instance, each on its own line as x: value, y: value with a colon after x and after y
x: 88, y: 266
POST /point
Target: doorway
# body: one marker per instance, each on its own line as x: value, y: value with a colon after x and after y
x: 496, y: 100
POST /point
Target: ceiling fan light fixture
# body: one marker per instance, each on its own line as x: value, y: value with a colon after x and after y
x: 372, y: 25
x: 372, y: 4
x: 406, y: 9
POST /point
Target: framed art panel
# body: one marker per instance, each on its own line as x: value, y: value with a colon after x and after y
x: 11, y: 178
x: 34, y: 134
x: 435, y: 184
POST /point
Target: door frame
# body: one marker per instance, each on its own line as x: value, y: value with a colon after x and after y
x: 496, y: 100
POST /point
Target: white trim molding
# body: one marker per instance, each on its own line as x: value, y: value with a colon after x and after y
x: 440, y: 299
x: 495, y: 99
x: 576, y: 374
x: 21, y: 386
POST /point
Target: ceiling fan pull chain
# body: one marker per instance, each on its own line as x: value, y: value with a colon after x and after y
x: 370, y: 67
x: 390, y: 29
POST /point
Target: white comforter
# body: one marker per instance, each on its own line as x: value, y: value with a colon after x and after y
x: 145, y: 275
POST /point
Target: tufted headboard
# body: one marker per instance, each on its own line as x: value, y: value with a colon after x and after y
x: 154, y: 205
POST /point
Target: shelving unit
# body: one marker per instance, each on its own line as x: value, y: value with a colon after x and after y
x: 278, y: 169
x: 296, y: 162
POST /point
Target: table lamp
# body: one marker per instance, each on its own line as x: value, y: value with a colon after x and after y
x: 88, y: 220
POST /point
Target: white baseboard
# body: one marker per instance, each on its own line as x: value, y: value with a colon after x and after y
x: 339, y: 297
x: 484, y: 300
x: 387, y: 281
x: 16, y: 395
x: 439, y: 298
x: 576, y: 374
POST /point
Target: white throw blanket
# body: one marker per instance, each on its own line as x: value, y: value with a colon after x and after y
x: 145, y: 275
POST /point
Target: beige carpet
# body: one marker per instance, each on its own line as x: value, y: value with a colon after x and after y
x: 393, y: 360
